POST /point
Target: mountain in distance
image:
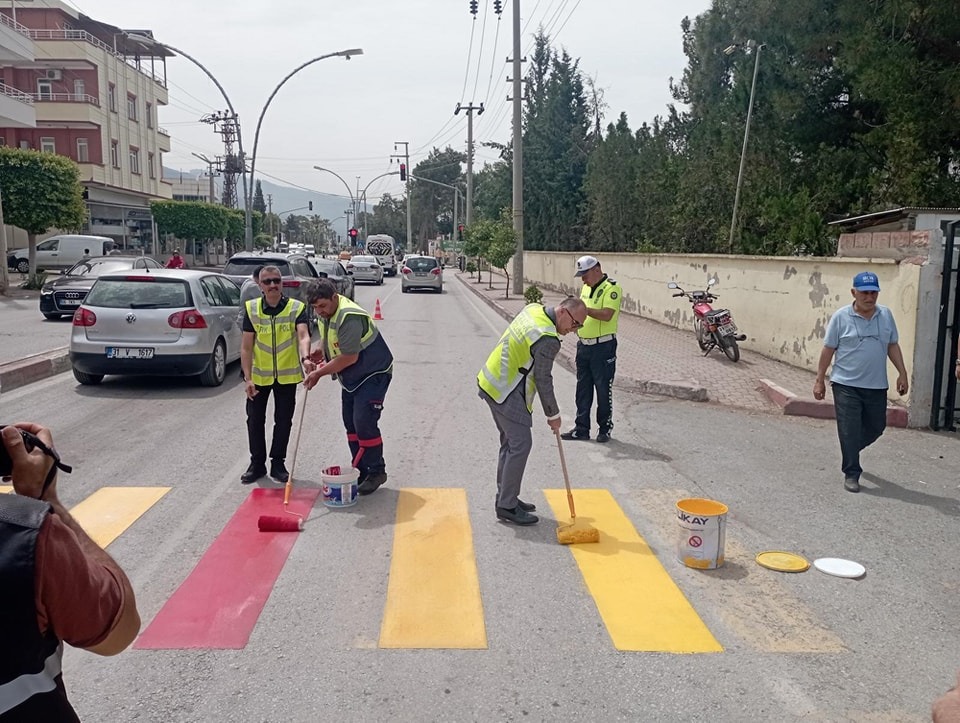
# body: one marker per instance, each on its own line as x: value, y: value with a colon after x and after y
x: 286, y: 198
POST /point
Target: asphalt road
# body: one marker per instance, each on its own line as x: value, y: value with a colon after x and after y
x: 795, y: 646
x: 24, y: 331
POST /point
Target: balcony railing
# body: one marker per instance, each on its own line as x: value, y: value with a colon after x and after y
x: 14, y: 93
x: 11, y: 23
x: 84, y: 37
x: 65, y: 98
x: 163, y: 131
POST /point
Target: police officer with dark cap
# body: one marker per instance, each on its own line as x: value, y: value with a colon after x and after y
x: 596, y: 349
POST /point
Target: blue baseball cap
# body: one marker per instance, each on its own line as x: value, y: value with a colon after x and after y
x: 866, y: 281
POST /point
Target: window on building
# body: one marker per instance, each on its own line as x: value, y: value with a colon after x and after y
x: 115, y: 154
x: 3, y: 141
x: 131, y: 106
x: 112, y: 97
x: 134, y: 160
x: 151, y: 165
x: 79, y: 89
x: 44, y: 89
x: 83, y: 151
x: 149, y: 114
x: 48, y: 145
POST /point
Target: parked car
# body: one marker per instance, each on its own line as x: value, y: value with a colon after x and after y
x: 421, y: 272
x: 295, y: 270
x: 61, y: 252
x: 337, y: 273
x: 63, y: 294
x: 165, y: 322
x: 366, y: 268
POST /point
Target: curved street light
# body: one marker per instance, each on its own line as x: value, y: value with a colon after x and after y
x: 353, y: 201
x: 248, y: 228
x: 363, y: 195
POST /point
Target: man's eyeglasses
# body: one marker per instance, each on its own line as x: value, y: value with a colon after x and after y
x: 576, y: 324
x: 271, y: 281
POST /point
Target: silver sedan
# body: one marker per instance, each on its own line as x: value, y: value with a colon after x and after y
x: 168, y: 322
x: 366, y: 268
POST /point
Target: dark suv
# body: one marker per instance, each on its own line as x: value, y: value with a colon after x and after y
x: 295, y: 269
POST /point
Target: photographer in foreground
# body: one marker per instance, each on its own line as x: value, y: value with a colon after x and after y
x: 58, y: 585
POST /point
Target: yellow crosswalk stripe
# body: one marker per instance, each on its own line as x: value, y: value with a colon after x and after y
x: 109, y: 511
x: 433, y: 595
x: 641, y: 607
x: 6, y: 489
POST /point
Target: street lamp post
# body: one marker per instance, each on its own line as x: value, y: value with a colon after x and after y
x: 456, y: 195
x: 746, y: 134
x: 248, y: 228
x: 353, y: 200
x: 363, y: 195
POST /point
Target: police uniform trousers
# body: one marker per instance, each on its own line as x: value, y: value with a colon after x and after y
x: 596, y: 366
x: 284, y: 402
x: 361, y: 411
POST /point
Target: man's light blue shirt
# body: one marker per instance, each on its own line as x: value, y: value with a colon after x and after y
x: 860, y: 344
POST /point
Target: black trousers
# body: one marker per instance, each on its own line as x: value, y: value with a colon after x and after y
x: 361, y: 418
x: 284, y: 402
x: 861, y: 419
x: 596, y: 366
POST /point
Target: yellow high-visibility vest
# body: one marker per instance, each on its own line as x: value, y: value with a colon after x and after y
x: 276, y: 355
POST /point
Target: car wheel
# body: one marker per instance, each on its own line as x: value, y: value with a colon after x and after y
x: 85, y: 378
x: 51, y: 316
x: 23, y: 266
x: 216, y: 370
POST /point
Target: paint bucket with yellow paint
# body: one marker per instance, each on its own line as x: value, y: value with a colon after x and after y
x: 338, y: 486
x: 703, y: 528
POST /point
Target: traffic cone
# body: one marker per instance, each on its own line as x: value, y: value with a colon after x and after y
x: 377, y: 316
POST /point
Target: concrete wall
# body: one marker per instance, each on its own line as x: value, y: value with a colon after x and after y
x: 782, y: 304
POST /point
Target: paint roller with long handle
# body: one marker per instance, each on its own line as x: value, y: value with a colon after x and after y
x: 279, y: 523
x: 569, y: 534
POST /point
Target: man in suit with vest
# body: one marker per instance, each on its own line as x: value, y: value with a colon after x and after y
x: 596, y: 349
x: 276, y: 340
x: 353, y: 351
x: 520, y: 366
x: 58, y: 586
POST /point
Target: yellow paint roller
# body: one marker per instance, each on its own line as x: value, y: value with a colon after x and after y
x: 572, y: 533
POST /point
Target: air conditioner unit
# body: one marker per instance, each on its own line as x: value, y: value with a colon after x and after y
x: 53, y: 74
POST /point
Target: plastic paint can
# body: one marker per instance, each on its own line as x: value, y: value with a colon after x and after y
x: 339, y: 486
x: 703, y: 527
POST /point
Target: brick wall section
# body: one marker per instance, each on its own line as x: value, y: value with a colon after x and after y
x: 913, y: 245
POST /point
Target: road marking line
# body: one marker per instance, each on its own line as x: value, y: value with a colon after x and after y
x: 755, y: 603
x: 109, y: 511
x: 6, y: 489
x: 219, y: 603
x: 433, y: 595
x: 639, y: 603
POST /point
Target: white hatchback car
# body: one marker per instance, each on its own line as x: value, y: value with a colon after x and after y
x: 169, y: 322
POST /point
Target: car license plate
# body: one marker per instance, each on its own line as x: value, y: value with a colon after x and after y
x: 728, y: 329
x: 70, y: 302
x: 419, y: 273
x: 129, y: 352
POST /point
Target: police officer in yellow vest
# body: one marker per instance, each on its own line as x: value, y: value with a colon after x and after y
x: 520, y: 366
x: 596, y: 349
x: 353, y: 351
x: 276, y: 340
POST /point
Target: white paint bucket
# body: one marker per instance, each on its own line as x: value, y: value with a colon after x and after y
x: 703, y: 528
x: 339, y: 486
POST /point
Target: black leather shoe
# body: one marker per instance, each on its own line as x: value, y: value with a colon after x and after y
x: 517, y: 516
x: 278, y: 470
x: 526, y: 506
x: 575, y: 434
x: 253, y: 473
x: 603, y: 437
x: 850, y: 484
x: 372, y: 483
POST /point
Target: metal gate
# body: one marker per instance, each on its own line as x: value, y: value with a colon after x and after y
x: 943, y: 410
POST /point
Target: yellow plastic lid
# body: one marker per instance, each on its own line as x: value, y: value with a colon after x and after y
x: 782, y: 561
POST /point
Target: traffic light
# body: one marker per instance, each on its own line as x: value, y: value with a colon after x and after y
x: 460, y: 231
x: 473, y: 7
x: 353, y: 235
x: 310, y: 205
x: 403, y: 171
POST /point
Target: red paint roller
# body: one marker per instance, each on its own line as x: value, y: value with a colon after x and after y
x: 288, y: 521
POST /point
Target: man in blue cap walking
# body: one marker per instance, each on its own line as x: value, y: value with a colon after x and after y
x: 859, y: 340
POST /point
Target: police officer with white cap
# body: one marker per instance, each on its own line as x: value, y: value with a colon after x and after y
x: 596, y: 349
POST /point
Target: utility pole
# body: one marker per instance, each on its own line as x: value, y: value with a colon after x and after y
x: 406, y: 159
x: 270, y: 216
x: 469, y: 108
x: 517, y: 152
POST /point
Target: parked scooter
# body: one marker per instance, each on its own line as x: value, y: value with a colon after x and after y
x: 713, y: 327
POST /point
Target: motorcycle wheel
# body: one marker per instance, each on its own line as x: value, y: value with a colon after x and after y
x: 730, y: 348
x: 703, y: 336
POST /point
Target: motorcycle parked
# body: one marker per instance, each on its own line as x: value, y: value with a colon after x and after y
x: 713, y: 327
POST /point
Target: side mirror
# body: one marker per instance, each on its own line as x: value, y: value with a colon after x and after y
x: 672, y: 285
x: 711, y: 282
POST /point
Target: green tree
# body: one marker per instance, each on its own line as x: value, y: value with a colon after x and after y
x: 193, y: 221
x: 41, y: 191
x: 612, y: 190
x: 390, y: 217
x: 476, y: 240
x: 432, y: 204
x: 259, y: 204
x: 502, y: 245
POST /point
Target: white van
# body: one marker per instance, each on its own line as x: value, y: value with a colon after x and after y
x: 61, y: 252
x: 384, y: 247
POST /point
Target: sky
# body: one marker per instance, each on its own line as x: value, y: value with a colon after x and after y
x: 420, y: 58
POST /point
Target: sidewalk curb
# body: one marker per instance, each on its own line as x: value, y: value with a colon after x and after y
x: 33, y: 368
x: 688, y: 389
x: 796, y: 406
